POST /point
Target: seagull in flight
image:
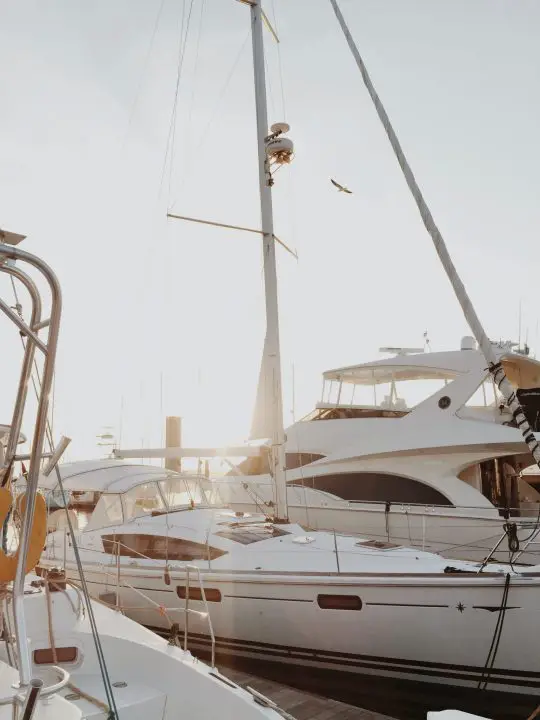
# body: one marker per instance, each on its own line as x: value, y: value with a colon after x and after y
x: 341, y: 188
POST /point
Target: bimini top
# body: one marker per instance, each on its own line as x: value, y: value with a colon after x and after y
x: 435, y: 366
x: 106, y: 476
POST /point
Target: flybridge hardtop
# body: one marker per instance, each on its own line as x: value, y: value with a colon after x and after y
x: 434, y: 365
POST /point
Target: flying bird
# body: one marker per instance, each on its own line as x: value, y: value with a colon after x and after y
x: 341, y: 188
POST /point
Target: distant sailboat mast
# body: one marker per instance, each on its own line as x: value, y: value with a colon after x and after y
x: 472, y: 318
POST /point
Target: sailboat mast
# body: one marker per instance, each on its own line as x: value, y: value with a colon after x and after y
x: 272, y: 361
x: 495, y: 366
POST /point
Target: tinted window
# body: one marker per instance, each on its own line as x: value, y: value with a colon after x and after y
x: 339, y: 602
x: 195, y: 593
x: 156, y: 547
x: 248, y: 534
x: 296, y: 460
x: 375, y: 487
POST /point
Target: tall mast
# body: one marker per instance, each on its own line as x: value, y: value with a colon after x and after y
x: 272, y: 360
x: 495, y: 366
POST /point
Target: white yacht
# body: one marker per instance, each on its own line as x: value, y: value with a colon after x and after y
x: 281, y: 594
x: 415, y: 448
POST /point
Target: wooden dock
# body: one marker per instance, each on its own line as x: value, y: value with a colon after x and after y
x: 300, y: 704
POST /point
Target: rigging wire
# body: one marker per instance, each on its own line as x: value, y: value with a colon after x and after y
x: 222, y: 92
x: 182, y: 47
x: 144, y: 72
x: 194, y: 83
x: 495, y: 641
x: 171, y: 137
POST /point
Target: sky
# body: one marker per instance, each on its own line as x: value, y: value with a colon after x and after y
x: 166, y: 317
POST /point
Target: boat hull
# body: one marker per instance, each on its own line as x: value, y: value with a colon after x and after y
x: 430, y: 628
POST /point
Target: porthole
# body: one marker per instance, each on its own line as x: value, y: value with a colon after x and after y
x: 195, y: 593
x: 339, y: 602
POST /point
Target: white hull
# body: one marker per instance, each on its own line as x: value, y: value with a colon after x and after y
x: 436, y: 629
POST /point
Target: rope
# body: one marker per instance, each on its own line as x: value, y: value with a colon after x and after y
x: 86, y: 696
x: 492, y: 654
x: 495, y: 367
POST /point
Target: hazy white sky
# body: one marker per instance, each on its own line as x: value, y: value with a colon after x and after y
x: 86, y: 108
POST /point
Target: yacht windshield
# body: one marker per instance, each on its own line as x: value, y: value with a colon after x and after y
x: 142, y: 500
x: 392, y: 391
x: 182, y: 492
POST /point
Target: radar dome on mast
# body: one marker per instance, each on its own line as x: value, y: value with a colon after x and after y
x: 279, y: 149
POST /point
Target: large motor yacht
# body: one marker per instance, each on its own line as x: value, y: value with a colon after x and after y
x: 414, y: 448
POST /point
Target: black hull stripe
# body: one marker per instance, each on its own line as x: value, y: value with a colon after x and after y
x: 386, y: 604
x: 475, y: 674
x: 258, y: 597
x: 382, y: 663
x: 420, y: 667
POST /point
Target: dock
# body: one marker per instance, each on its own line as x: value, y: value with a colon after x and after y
x: 302, y: 705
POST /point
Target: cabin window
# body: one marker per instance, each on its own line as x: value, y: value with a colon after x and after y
x: 339, y: 602
x: 248, y: 534
x: 195, y: 593
x: 375, y: 487
x: 182, y: 492
x: 142, y: 500
x: 391, y: 388
x: 158, y: 547
x: 46, y: 656
x: 108, y: 511
x: 296, y: 460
